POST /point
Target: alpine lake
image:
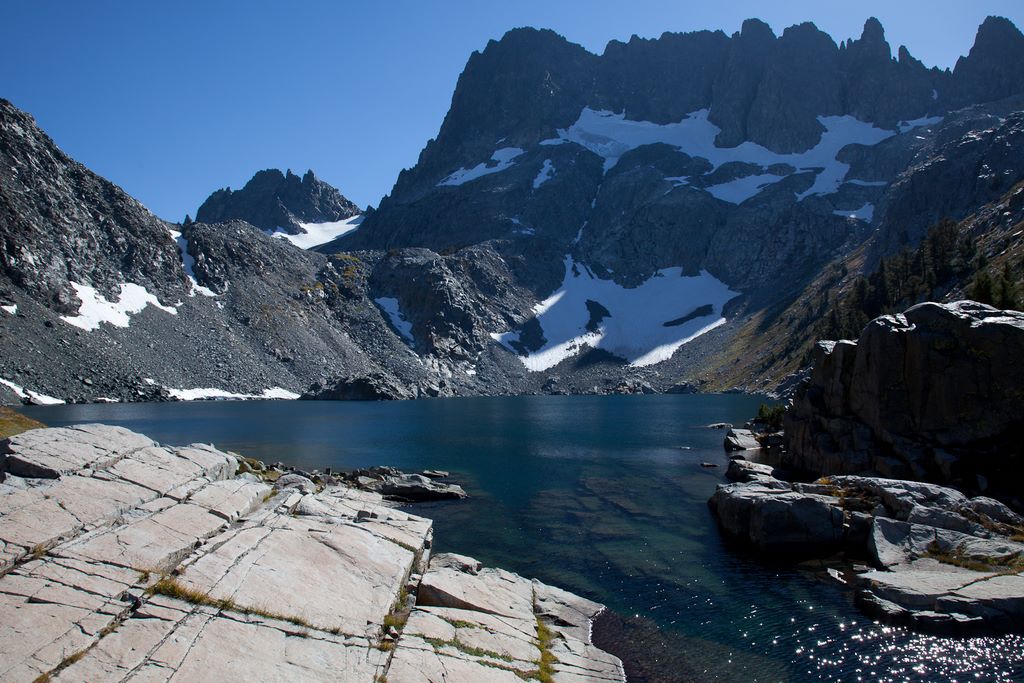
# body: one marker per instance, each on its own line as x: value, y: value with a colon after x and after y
x: 604, y: 496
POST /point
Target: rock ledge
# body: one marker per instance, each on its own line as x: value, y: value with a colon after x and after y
x: 122, y: 559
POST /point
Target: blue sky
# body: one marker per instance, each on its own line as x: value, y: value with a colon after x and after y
x: 172, y: 100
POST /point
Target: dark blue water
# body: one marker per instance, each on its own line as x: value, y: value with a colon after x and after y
x: 595, y: 494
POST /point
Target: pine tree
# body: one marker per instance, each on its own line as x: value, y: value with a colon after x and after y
x: 1006, y: 294
x: 982, y: 288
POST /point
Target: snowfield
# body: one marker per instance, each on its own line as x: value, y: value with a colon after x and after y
x: 864, y: 213
x: 95, y: 309
x: 320, y: 233
x: 645, y: 324
x: 39, y: 399
x: 210, y: 393
x: 504, y: 158
x: 390, y: 306
x: 546, y: 173
x: 188, y: 263
x: 611, y: 135
x: 924, y: 121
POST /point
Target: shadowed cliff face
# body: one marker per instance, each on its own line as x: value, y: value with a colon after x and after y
x: 932, y: 394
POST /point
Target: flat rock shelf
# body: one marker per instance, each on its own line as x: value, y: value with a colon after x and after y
x: 125, y: 560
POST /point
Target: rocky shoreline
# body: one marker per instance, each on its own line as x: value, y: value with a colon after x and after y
x: 123, y: 559
x: 874, y: 444
x: 917, y: 554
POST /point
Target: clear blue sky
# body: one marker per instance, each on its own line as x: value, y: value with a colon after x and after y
x: 172, y: 100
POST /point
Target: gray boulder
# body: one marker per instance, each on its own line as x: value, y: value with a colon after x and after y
x: 372, y: 386
x: 295, y: 481
x: 416, y: 487
x: 777, y: 520
x: 931, y: 394
x: 743, y: 470
x: 740, y: 440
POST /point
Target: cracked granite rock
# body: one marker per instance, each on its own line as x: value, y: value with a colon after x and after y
x: 126, y: 560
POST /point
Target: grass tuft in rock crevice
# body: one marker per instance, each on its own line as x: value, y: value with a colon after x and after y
x: 1011, y: 564
x: 172, y: 588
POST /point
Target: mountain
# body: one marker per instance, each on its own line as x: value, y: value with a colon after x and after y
x: 101, y: 300
x: 275, y: 201
x: 750, y: 161
x: 685, y: 213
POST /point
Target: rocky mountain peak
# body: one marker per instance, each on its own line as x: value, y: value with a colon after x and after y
x: 273, y: 200
x: 994, y: 68
x: 873, y: 31
x: 872, y: 45
x: 544, y: 137
x: 756, y: 30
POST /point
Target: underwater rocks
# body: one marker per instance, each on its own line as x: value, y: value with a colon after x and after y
x: 396, y: 485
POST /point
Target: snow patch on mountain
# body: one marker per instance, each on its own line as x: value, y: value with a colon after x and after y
x: 741, y: 189
x: 188, y: 263
x: 521, y: 228
x: 209, y: 394
x: 864, y: 213
x: 906, y: 126
x: 95, y: 309
x: 611, y: 135
x: 545, y: 174
x: 321, y: 233
x: 501, y: 159
x: 390, y: 306
x: 644, y: 324
x: 34, y: 397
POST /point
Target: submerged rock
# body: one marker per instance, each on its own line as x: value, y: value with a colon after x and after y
x: 416, y: 487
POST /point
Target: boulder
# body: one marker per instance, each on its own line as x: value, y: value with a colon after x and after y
x: 743, y: 470
x: 994, y: 510
x: 372, y: 386
x: 416, y: 487
x: 295, y: 481
x: 460, y: 563
x: 740, y: 440
x: 933, y: 394
x: 775, y: 519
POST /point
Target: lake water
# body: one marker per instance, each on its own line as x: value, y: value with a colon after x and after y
x: 604, y: 496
